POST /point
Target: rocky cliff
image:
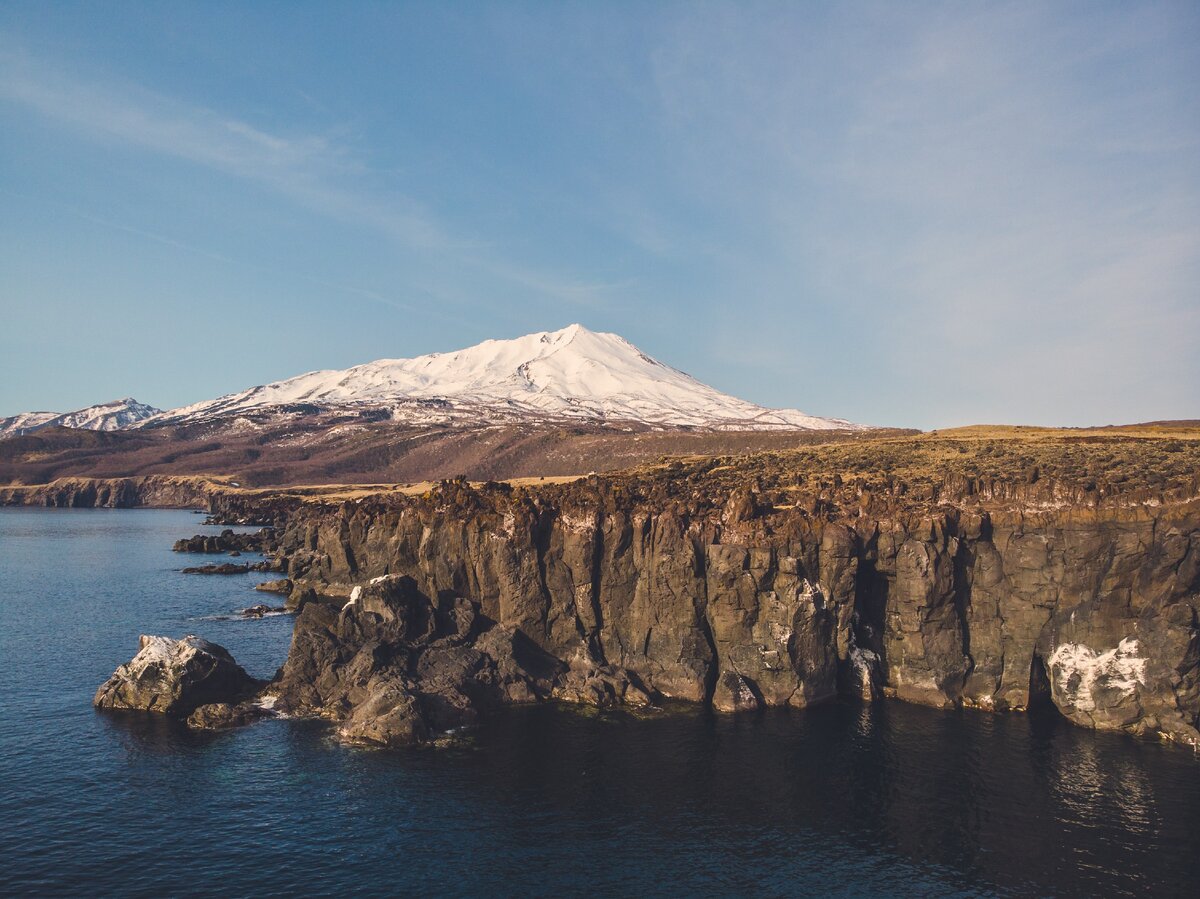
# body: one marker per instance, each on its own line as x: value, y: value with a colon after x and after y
x: 164, y: 491
x: 992, y: 574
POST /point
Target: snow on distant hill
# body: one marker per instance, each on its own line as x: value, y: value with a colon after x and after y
x: 571, y: 374
x: 104, y: 417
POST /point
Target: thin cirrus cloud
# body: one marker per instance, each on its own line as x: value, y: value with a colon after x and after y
x: 1015, y: 191
x: 915, y: 215
x: 299, y: 168
x: 308, y: 170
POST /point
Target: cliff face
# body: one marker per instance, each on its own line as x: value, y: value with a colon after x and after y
x: 740, y: 600
x: 163, y: 491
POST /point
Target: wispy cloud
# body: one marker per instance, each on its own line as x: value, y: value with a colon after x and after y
x: 315, y: 171
x: 1011, y: 189
x: 303, y: 167
x: 191, y: 248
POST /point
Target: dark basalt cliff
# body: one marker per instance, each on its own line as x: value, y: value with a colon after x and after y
x: 163, y: 491
x: 995, y: 577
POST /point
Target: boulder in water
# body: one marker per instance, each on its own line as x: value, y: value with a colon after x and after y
x: 175, y: 677
x: 258, y: 611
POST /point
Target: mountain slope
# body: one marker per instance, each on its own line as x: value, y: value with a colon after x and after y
x: 112, y: 416
x: 572, y: 374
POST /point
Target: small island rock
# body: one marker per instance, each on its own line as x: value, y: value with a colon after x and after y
x: 175, y: 677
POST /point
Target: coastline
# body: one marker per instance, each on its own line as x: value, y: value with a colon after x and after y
x: 753, y: 582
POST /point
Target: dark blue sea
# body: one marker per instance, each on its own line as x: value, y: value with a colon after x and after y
x: 841, y: 800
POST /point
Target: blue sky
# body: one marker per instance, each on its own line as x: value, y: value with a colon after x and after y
x: 910, y: 214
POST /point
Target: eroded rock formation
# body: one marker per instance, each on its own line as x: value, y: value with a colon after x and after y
x: 745, y: 604
x: 970, y: 571
x: 175, y: 678
x: 228, y: 541
x: 395, y: 666
x: 163, y: 491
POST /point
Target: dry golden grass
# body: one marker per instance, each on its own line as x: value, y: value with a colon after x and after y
x: 1094, y: 461
x: 1104, y: 461
x: 1152, y: 431
x: 320, y: 493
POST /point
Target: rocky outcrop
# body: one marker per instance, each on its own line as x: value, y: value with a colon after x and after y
x: 224, y: 715
x: 163, y: 491
x: 228, y: 541
x: 223, y: 568
x: 393, y: 666
x: 743, y: 604
x: 985, y: 571
x: 282, y: 585
x: 261, y: 610
x: 175, y: 678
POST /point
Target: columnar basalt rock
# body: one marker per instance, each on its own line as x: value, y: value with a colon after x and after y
x: 396, y: 666
x: 744, y: 604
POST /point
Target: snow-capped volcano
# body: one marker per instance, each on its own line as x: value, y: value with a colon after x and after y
x: 573, y: 373
x: 103, y: 417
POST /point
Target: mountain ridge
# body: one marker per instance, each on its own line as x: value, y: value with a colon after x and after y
x: 114, y: 415
x: 570, y: 374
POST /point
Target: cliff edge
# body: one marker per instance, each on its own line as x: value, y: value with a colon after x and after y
x: 986, y: 568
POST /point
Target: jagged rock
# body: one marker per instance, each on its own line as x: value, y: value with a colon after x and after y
x: 260, y: 610
x: 1111, y: 674
x: 728, y: 600
x: 300, y: 597
x: 175, y: 677
x: 735, y: 693
x: 390, y: 716
x: 863, y: 673
x: 223, y: 568
x: 223, y: 715
x: 604, y: 686
x: 226, y: 541
x: 394, y: 667
x: 284, y: 585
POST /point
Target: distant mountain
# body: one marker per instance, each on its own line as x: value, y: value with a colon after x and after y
x: 572, y: 375
x: 114, y: 416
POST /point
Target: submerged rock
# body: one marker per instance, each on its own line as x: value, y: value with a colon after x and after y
x: 175, y: 677
x: 258, y: 611
x: 223, y: 715
x: 224, y: 568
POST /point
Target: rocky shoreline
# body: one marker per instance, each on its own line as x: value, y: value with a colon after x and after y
x: 161, y: 491
x: 748, y: 583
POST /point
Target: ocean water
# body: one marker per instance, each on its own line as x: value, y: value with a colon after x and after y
x: 841, y: 800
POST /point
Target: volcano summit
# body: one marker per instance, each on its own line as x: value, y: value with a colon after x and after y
x: 568, y: 375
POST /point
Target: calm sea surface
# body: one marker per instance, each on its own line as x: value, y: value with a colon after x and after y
x: 840, y: 800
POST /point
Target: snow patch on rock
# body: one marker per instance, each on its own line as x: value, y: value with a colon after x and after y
x: 1079, y: 672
